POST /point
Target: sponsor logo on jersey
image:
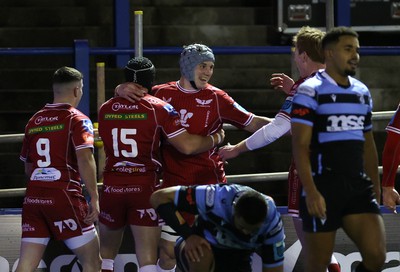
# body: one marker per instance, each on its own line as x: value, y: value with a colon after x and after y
x: 43, y: 129
x: 153, y: 100
x: 362, y: 99
x: 26, y: 227
x: 106, y: 216
x: 126, y: 116
x: 41, y: 119
x: 203, y: 103
x: 129, y: 167
x: 300, y: 112
x: 122, y: 189
x: 38, y: 201
x: 150, y: 212
x: 119, y: 106
x: 345, y: 122
x: 168, y: 100
x: 46, y: 174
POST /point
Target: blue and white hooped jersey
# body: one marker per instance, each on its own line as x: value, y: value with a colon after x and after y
x: 339, y: 116
x: 214, y: 205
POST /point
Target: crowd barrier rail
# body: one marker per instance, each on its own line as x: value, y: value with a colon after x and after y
x: 82, y: 52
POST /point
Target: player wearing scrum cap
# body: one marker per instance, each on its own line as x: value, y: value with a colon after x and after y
x: 131, y: 132
x: 203, y: 109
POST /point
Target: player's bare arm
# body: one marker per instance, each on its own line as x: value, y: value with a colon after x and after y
x: 190, y: 144
x: 371, y: 163
x: 301, y: 138
x: 257, y: 123
x: 87, y: 170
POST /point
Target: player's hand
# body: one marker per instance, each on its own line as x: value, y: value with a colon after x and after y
x: 227, y: 152
x: 280, y: 81
x: 195, y: 246
x: 390, y: 198
x: 94, y: 211
x: 316, y: 204
x: 130, y: 91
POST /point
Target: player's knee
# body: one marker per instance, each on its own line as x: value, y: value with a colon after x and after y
x: 375, y: 259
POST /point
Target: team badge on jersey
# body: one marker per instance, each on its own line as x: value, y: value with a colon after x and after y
x: 170, y: 109
x: 236, y: 105
x: 87, y: 125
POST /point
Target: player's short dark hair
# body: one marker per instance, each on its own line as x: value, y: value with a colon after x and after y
x: 252, y: 207
x: 66, y: 75
x: 142, y: 71
x: 333, y: 35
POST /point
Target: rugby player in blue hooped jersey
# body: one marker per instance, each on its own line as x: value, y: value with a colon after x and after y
x: 336, y: 158
x: 233, y: 222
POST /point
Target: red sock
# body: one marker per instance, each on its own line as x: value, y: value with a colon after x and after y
x: 334, y: 267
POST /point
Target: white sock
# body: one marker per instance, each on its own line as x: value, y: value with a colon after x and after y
x: 159, y: 269
x: 107, y: 264
x: 148, y: 268
x: 333, y: 259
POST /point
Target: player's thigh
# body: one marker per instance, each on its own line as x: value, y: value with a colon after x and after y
x: 30, y: 255
x: 367, y: 230
x: 89, y: 252
x: 110, y: 240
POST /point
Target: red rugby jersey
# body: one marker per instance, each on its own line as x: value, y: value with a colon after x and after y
x: 391, y: 150
x: 131, y: 134
x: 202, y: 112
x: 52, y: 137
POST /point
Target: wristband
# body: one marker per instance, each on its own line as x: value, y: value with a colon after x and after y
x: 212, y: 139
x: 219, y: 139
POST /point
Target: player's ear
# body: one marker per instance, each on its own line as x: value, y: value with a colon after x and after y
x: 76, y: 91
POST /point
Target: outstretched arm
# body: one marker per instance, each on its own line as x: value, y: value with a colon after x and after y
x: 278, y: 127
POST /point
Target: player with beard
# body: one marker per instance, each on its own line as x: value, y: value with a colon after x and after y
x: 336, y: 158
x: 308, y: 59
